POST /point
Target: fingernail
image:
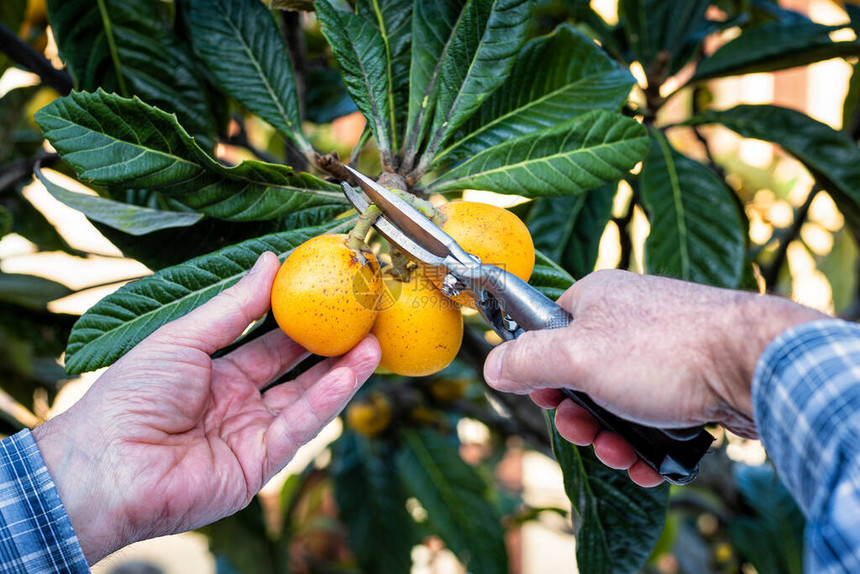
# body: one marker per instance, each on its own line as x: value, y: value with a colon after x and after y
x: 258, y: 266
x: 345, y: 376
x: 493, y: 368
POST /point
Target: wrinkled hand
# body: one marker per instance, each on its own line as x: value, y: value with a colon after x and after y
x: 168, y: 439
x: 656, y: 351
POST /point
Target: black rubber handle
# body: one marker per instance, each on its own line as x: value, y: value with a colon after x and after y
x: 674, y: 453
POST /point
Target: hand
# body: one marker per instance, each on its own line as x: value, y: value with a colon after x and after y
x: 656, y: 351
x: 168, y: 439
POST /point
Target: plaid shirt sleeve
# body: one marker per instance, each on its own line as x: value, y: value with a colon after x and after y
x: 35, y: 532
x: 806, y: 401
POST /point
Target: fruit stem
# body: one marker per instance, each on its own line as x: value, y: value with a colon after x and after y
x: 400, y: 264
x: 425, y: 207
x: 356, y: 238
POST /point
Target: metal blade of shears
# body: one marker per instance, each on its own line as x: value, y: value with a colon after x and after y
x: 410, y: 221
x: 390, y: 232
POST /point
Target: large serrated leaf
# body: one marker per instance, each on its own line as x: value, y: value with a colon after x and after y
x: 555, y: 78
x: 617, y: 522
x: 244, y: 50
x: 432, y: 25
x: 455, y: 498
x: 206, y: 236
x: 568, y: 229
x: 393, y: 19
x: 372, y: 503
x: 361, y: 54
x: 477, y: 60
x: 549, y: 278
x: 572, y: 157
x: 129, y: 218
x: 128, y: 144
x: 118, y: 322
x: 775, y: 46
x: 129, y: 48
x: 830, y: 155
x: 664, y: 36
x: 696, y: 230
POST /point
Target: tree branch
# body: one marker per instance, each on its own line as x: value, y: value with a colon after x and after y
x: 15, y: 172
x: 23, y: 54
x: 711, y: 163
x: 770, y: 272
x: 623, y: 225
x: 241, y: 139
x: 294, y: 36
x: 331, y: 163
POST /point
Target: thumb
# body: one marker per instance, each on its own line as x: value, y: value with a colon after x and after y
x: 221, y: 320
x: 536, y: 360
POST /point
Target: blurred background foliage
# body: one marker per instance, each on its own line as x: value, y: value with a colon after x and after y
x: 801, y: 54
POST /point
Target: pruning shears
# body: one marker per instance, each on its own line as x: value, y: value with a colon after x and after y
x: 511, y: 307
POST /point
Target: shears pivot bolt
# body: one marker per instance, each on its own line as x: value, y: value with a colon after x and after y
x: 451, y: 286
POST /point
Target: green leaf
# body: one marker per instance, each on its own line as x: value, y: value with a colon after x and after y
x: 477, y: 59
x: 774, y: 522
x: 203, y: 237
x: 617, y: 522
x: 433, y: 23
x: 696, y: 230
x: 245, y: 52
x: 13, y: 111
x: 393, y: 19
x: 456, y: 499
x: 125, y: 217
x: 12, y: 13
x: 125, y: 143
x: 131, y: 49
x: 118, y: 322
x: 610, y: 37
x: 775, y: 46
x: 30, y: 291
x: 851, y: 104
x: 30, y: 223
x: 549, y: 278
x: 361, y: 53
x: 664, y: 36
x: 568, y: 229
x: 555, y: 78
x: 843, y: 285
x: 185, y: 242
x: 326, y: 97
x: 6, y: 221
x: 572, y: 157
x: 372, y: 503
x: 243, y: 542
x: 830, y: 156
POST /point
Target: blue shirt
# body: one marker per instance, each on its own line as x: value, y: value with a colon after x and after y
x: 35, y: 532
x: 806, y: 401
x: 806, y: 404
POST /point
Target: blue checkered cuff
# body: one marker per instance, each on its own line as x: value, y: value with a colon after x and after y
x: 35, y: 532
x: 806, y: 402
